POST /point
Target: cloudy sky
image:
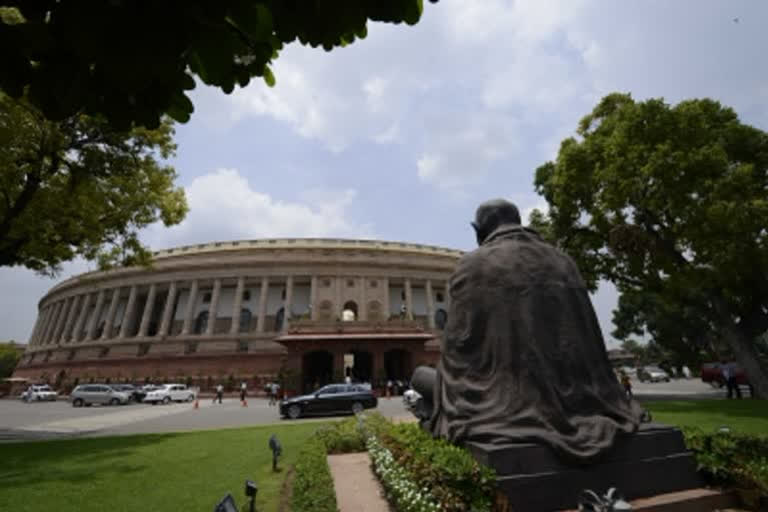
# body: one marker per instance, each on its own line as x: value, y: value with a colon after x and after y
x: 401, y: 135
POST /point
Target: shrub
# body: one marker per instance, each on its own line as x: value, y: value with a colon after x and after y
x: 449, y: 472
x: 313, y: 485
x: 342, y: 437
x: 728, y: 459
x: 402, y: 490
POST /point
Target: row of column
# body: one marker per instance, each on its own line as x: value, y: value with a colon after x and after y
x: 65, y: 320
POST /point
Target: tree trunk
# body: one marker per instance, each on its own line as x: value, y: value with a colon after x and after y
x: 743, y: 346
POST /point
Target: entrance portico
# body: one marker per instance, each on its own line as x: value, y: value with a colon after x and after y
x: 377, y: 352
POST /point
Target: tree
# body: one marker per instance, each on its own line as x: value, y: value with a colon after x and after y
x: 670, y: 203
x: 77, y: 187
x: 9, y: 358
x: 132, y: 61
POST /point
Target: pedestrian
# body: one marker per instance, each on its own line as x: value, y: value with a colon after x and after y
x: 273, y: 393
x: 729, y: 376
x: 403, y: 311
x: 389, y: 389
x: 219, y: 393
x: 624, y: 378
x: 243, y: 388
x: 348, y: 380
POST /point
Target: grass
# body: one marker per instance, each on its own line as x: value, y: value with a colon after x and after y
x: 745, y: 416
x: 158, y: 472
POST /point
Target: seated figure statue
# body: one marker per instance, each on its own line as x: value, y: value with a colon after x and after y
x: 523, y: 359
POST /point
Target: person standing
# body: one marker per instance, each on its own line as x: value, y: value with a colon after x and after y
x: 243, y: 388
x: 219, y: 393
x: 626, y: 383
x: 729, y: 375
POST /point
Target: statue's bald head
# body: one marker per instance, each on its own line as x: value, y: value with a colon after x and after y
x: 492, y: 214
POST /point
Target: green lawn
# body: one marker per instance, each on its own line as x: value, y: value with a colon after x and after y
x: 154, y: 473
x: 742, y: 416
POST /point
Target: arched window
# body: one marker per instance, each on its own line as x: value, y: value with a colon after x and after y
x: 245, y: 320
x: 351, y: 307
x: 441, y: 318
x: 279, y: 319
x: 201, y: 323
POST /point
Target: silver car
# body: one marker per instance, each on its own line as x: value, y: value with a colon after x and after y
x: 87, y: 394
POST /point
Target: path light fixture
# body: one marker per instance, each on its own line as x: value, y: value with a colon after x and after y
x: 227, y: 504
x: 250, y: 492
x: 277, y: 450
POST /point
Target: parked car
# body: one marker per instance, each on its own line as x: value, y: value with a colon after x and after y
x: 168, y: 393
x: 652, y: 374
x: 87, y: 394
x: 39, y: 393
x: 136, y: 394
x: 330, y: 399
x: 712, y: 374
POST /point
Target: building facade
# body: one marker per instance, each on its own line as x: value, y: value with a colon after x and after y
x: 307, y: 311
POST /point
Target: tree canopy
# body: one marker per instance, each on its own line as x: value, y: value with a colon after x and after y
x: 670, y: 203
x: 77, y: 187
x: 132, y: 61
x: 9, y: 358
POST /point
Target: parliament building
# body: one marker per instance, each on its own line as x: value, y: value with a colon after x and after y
x: 305, y: 311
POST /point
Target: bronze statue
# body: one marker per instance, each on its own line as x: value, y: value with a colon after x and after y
x: 523, y: 358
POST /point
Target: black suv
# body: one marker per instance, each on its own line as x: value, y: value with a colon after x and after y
x: 330, y: 399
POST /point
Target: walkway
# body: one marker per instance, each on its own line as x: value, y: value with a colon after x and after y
x: 357, y: 488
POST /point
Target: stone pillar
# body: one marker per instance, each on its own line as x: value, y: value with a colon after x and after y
x: 430, y: 305
x: 313, y: 298
x: 385, y: 306
x: 190, y: 313
x: 338, y: 365
x: 109, y: 322
x: 94, y: 323
x: 33, y: 335
x: 146, y: 315
x: 80, y: 325
x: 170, y: 300
x: 287, y: 303
x: 362, y: 309
x: 71, y: 317
x: 128, y: 313
x: 262, y: 304
x: 447, y: 295
x: 408, y: 300
x: 61, y: 320
x: 213, y: 307
x: 55, y: 321
x: 237, y: 305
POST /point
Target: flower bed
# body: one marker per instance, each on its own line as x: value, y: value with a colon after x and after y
x: 402, y: 490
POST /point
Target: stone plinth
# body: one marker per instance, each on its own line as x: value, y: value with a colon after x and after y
x: 651, y: 462
x: 217, y: 347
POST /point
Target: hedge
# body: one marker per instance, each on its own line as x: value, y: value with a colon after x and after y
x: 731, y: 460
x: 313, y: 485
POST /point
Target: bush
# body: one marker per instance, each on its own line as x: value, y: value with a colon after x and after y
x: 728, y: 459
x: 313, y: 485
x: 450, y: 473
x: 342, y: 437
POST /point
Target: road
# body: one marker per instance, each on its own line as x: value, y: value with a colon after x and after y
x: 50, y: 420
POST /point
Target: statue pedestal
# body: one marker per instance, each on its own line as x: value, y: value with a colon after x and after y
x: 650, y: 462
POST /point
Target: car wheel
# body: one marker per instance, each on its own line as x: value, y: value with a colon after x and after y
x: 357, y: 408
x: 78, y: 402
x: 294, y: 412
x: 114, y: 401
x: 166, y: 400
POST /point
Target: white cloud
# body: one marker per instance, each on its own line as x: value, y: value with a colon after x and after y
x: 223, y: 206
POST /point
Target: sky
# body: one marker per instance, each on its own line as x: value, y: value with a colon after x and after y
x: 401, y: 135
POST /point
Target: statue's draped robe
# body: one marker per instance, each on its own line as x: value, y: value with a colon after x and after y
x: 523, y: 357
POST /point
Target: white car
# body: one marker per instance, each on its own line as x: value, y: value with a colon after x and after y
x: 39, y: 393
x: 168, y: 393
x: 652, y: 374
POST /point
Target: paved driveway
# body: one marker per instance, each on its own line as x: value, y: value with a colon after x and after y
x: 19, y: 420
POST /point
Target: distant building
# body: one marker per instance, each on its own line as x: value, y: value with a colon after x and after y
x: 619, y: 357
x: 219, y: 309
